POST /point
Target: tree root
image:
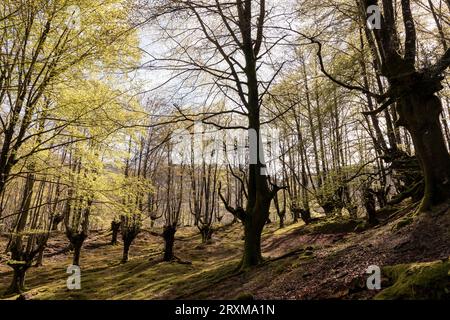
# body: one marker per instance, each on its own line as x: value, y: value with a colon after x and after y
x: 181, y: 261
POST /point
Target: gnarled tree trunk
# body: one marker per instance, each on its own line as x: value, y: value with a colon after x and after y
x: 131, y: 227
x: 77, y: 241
x: 17, y: 285
x: 126, y: 250
x: 56, y: 221
x: 414, y: 92
x: 169, y: 240
x: 115, y: 228
x: 420, y: 115
x: 206, y: 233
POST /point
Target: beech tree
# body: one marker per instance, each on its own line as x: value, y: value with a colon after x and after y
x: 413, y: 90
x: 235, y: 44
x: 173, y: 201
x: 80, y: 199
x: 204, y: 176
x: 133, y: 191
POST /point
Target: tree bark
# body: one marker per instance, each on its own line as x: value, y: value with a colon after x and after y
x: 77, y: 241
x: 420, y: 115
x: 56, y: 221
x: 169, y: 240
x: 76, y: 254
x: 18, y: 282
x: 206, y: 232
x: 295, y: 216
x: 126, y: 250
x: 40, y: 257
x: 281, y: 221
x: 306, y: 215
x: 252, y: 246
x: 369, y: 204
x: 115, y: 228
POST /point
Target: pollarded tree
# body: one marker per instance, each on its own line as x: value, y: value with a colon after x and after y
x: 133, y: 191
x: 413, y: 86
x: 29, y: 237
x: 56, y: 176
x: 130, y: 229
x: 154, y: 157
x: 30, y: 217
x: 86, y: 177
x: 46, y: 67
x: 280, y: 208
x: 115, y: 228
x: 173, y: 201
x: 414, y: 89
x: 204, y: 176
x: 31, y: 226
x: 130, y: 226
x: 80, y: 199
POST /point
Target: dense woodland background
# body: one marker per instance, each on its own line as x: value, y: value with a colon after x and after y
x: 96, y: 98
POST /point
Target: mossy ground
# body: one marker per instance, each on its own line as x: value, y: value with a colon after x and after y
x: 338, y: 225
x: 145, y: 276
x: 326, y: 259
x: 428, y: 280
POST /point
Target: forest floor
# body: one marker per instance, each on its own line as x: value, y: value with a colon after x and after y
x: 324, y: 260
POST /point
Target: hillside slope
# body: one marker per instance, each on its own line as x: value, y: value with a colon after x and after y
x: 326, y: 260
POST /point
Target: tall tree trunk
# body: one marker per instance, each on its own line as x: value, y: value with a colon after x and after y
x: 40, y: 257
x: 259, y: 198
x: 312, y: 129
x: 206, y: 233
x: 17, y: 285
x: 414, y: 93
x: 369, y: 205
x: 420, y: 115
x: 306, y: 215
x: 76, y: 254
x: 56, y: 221
x: 259, y: 193
x: 169, y: 240
x: 76, y: 241
x: 282, y: 221
x: 115, y: 228
x: 126, y: 250
x: 22, y: 254
x: 281, y: 212
x: 252, y: 244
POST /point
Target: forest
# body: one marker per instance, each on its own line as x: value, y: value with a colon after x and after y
x: 224, y: 150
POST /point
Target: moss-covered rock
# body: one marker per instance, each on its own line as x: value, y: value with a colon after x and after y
x: 338, y: 225
x: 429, y: 280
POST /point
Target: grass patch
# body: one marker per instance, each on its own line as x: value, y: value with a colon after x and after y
x: 288, y: 228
